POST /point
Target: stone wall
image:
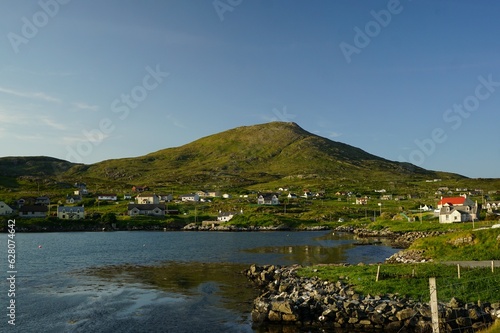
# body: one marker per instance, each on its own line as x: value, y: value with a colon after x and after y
x: 292, y: 300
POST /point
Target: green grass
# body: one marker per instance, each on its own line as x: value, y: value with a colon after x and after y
x: 485, y: 246
x: 412, y: 281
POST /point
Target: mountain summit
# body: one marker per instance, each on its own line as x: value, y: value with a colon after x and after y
x: 250, y: 155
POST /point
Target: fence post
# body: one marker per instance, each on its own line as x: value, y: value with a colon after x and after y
x: 434, y: 305
x: 458, y: 270
x: 492, y: 266
x: 378, y: 273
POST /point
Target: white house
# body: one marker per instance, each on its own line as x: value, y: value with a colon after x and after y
x: 457, y: 209
x: 5, y: 209
x: 190, y: 197
x: 361, y: 200
x: 291, y: 195
x: 492, y: 206
x: 71, y: 199
x: 71, y: 212
x: 226, y: 216
x: 146, y: 209
x: 107, y: 197
x: 147, y: 198
x: 268, y: 199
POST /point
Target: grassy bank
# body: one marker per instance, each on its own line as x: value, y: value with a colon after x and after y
x: 412, y: 281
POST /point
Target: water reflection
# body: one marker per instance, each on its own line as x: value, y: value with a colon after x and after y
x: 220, y: 283
x: 331, y: 248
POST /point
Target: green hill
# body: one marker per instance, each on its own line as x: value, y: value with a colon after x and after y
x: 250, y: 155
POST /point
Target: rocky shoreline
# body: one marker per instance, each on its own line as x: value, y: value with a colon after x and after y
x: 288, y: 299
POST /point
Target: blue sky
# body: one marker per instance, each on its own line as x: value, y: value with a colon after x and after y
x: 415, y: 81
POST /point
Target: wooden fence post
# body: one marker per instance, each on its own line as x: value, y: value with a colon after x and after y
x: 434, y: 305
x: 378, y: 273
x: 458, y: 270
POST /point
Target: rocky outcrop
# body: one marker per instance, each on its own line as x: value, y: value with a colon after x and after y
x: 406, y: 239
x: 408, y: 257
x: 292, y: 300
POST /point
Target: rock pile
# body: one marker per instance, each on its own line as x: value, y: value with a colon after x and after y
x: 408, y: 257
x: 406, y: 239
x: 289, y: 299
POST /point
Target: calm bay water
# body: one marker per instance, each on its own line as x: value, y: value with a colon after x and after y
x: 156, y: 281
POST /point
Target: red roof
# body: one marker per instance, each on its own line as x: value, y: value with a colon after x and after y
x: 452, y: 201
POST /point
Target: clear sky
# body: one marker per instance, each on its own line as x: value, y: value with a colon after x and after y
x: 415, y: 81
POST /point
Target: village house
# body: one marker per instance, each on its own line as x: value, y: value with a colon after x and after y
x: 147, y: 198
x: 491, y: 206
x: 268, y: 199
x: 214, y: 194
x: 192, y: 197
x: 139, y: 189
x: 71, y: 212
x: 33, y: 211
x: 165, y: 197
x: 42, y: 200
x: 5, y: 209
x: 127, y: 196
x: 457, y: 209
x: 386, y: 197
x: 146, y: 209
x: 107, y: 197
x: 72, y: 199
x: 226, y: 216
x: 291, y: 195
x: 362, y: 200
x: 307, y: 194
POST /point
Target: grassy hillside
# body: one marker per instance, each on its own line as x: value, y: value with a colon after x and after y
x: 251, y: 155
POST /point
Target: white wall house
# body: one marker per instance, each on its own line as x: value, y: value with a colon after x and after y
x: 146, y: 209
x: 457, y: 209
x: 107, y: 197
x: 5, y: 209
x: 190, y: 197
x: 71, y: 212
x: 147, y: 198
x: 268, y: 199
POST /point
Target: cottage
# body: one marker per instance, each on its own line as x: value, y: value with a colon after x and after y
x: 71, y: 212
x: 43, y: 200
x: 291, y: 195
x: 165, y: 197
x: 193, y: 197
x: 147, y: 198
x: 457, y: 209
x: 72, y: 199
x: 146, y: 209
x: 127, y: 196
x: 492, y: 206
x: 361, y: 200
x: 268, y: 199
x: 107, y: 197
x: 33, y: 211
x: 226, y: 216
x: 139, y: 189
x: 5, y: 209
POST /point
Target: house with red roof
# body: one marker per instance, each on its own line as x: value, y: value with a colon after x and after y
x: 457, y: 209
